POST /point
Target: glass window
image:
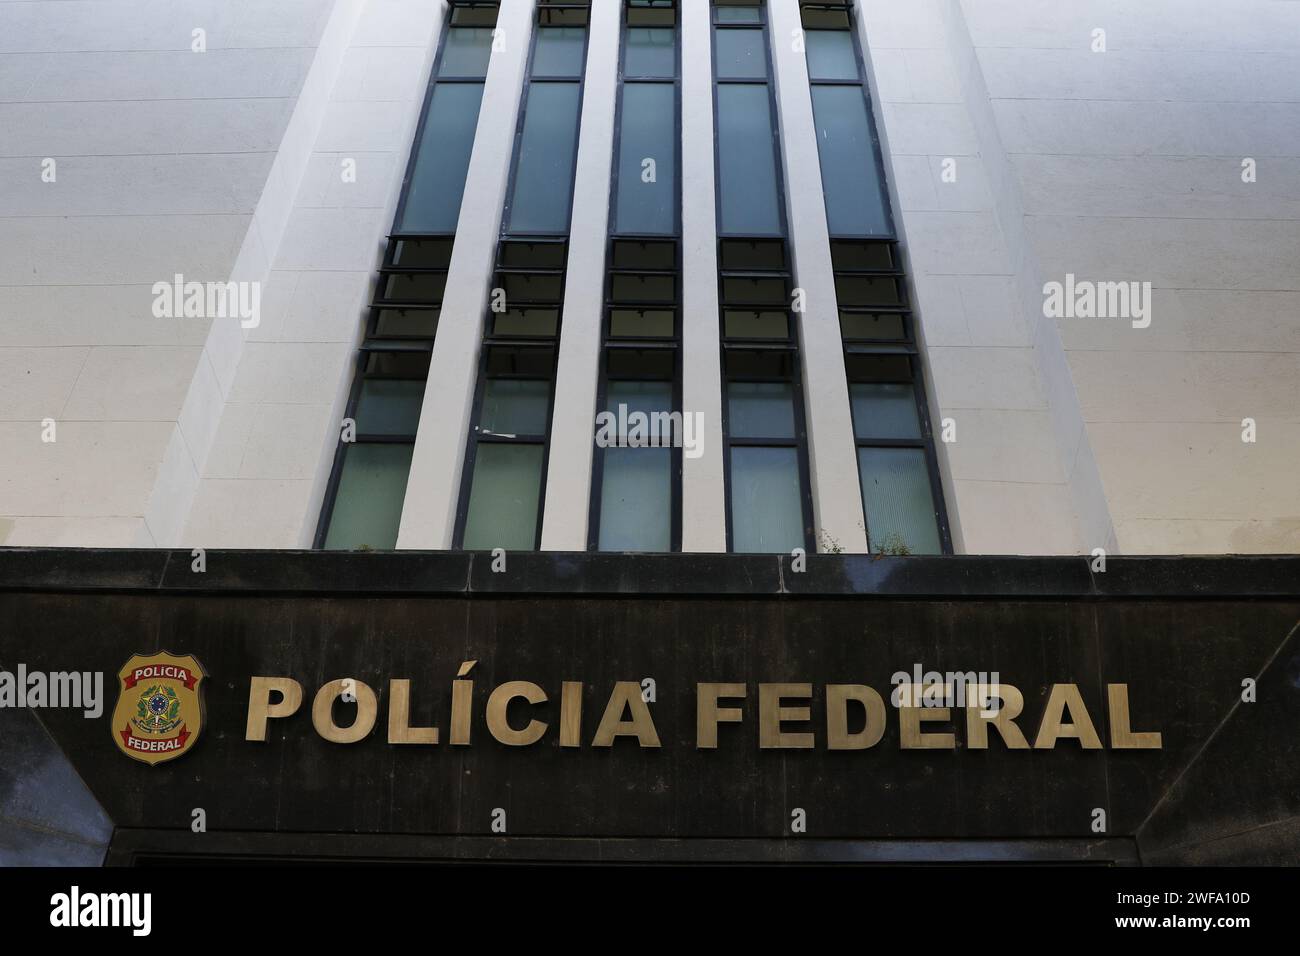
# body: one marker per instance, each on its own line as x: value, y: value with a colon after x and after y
x: 406, y: 323
x: 414, y: 286
x: 755, y: 325
x: 636, y: 499
x: 746, y: 161
x: 831, y: 55
x: 513, y: 406
x: 884, y: 410
x: 851, y: 181
x: 368, y: 505
x: 438, y: 177
x: 725, y: 14
x: 896, y: 497
x: 544, y: 168
x: 766, y: 500
x: 650, y: 51
x: 753, y: 290
x: 739, y: 54
x: 853, y: 291
x: 648, y: 289
x: 760, y: 410
x: 504, y: 497
x: 647, y: 398
x: 389, y: 406
x: 647, y: 191
x: 466, y: 52
x: 559, y: 51
x: 525, y: 322
x: 641, y: 323
x: 861, y: 325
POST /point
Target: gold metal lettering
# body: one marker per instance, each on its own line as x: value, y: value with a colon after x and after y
x: 708, y: 714
x: 400, y: 730
x: 570, y: 713
x: 909, y: 729
x: 626, y: 696
x: 322, y: 711
x: 260, y: 707
x: 1006, y: 702
x: 1065, y: 697
x: 499, y: 702
x: 837, y: 717
x: 771, y: 714
x: 1122, y: 736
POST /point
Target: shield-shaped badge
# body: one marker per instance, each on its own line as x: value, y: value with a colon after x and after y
x: 159, y: 711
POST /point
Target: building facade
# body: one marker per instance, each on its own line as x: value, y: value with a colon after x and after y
x: 943, y: 276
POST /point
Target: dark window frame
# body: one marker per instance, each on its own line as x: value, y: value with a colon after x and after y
x: 736, y: 345
x: 672, y: 343
x: 507, y: 264
x: 372, y: 340
x: 872, y: 245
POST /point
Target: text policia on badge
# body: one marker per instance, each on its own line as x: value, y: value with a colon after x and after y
x: 855, y: 715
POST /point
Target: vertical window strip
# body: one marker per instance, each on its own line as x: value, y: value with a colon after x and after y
x: 504, y: 480
x: 898, y: 472
x: 769, y: 500
x: 636, y: 466
x: 362, y: 507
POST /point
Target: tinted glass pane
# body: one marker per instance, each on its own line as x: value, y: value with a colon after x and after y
x: 406, y: 323
x: 746, y: 162
x: 636, y: 500
x: 503, y: 498
x: 738, y: 14
x: 559, y: 51
x: 515, y: 406
x: 858, y: 325
x: 896, y: 496
x: 647, y: 159
x: 831, y: 55
x: 544, y: 170
x: 438, y: 178
x: 646, y: 398
x: 855, y: 202
x: 884, y: 411
x: 740, y: 54
x: 854, y: 290
x: 756, y: 325
x: 760, y: 409
x: 636, y: 254
x: 368, y: 506
x: 639, y: 396
x: 753, y: 291
x: 423, y: 253
x: 650, y: 52
x: 629, y: 323
x: 389, y: 407
x: 525, y: 322
x: 766, y: 500
x: 415, y: 287
x: 466, y: 52
x: 648, y: 289
x: 862, y: 255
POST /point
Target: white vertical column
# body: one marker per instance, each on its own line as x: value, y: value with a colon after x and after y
x: 704, y: 503
x: 832, y: 455
x: 433, y: 489
x: 568, y: 478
